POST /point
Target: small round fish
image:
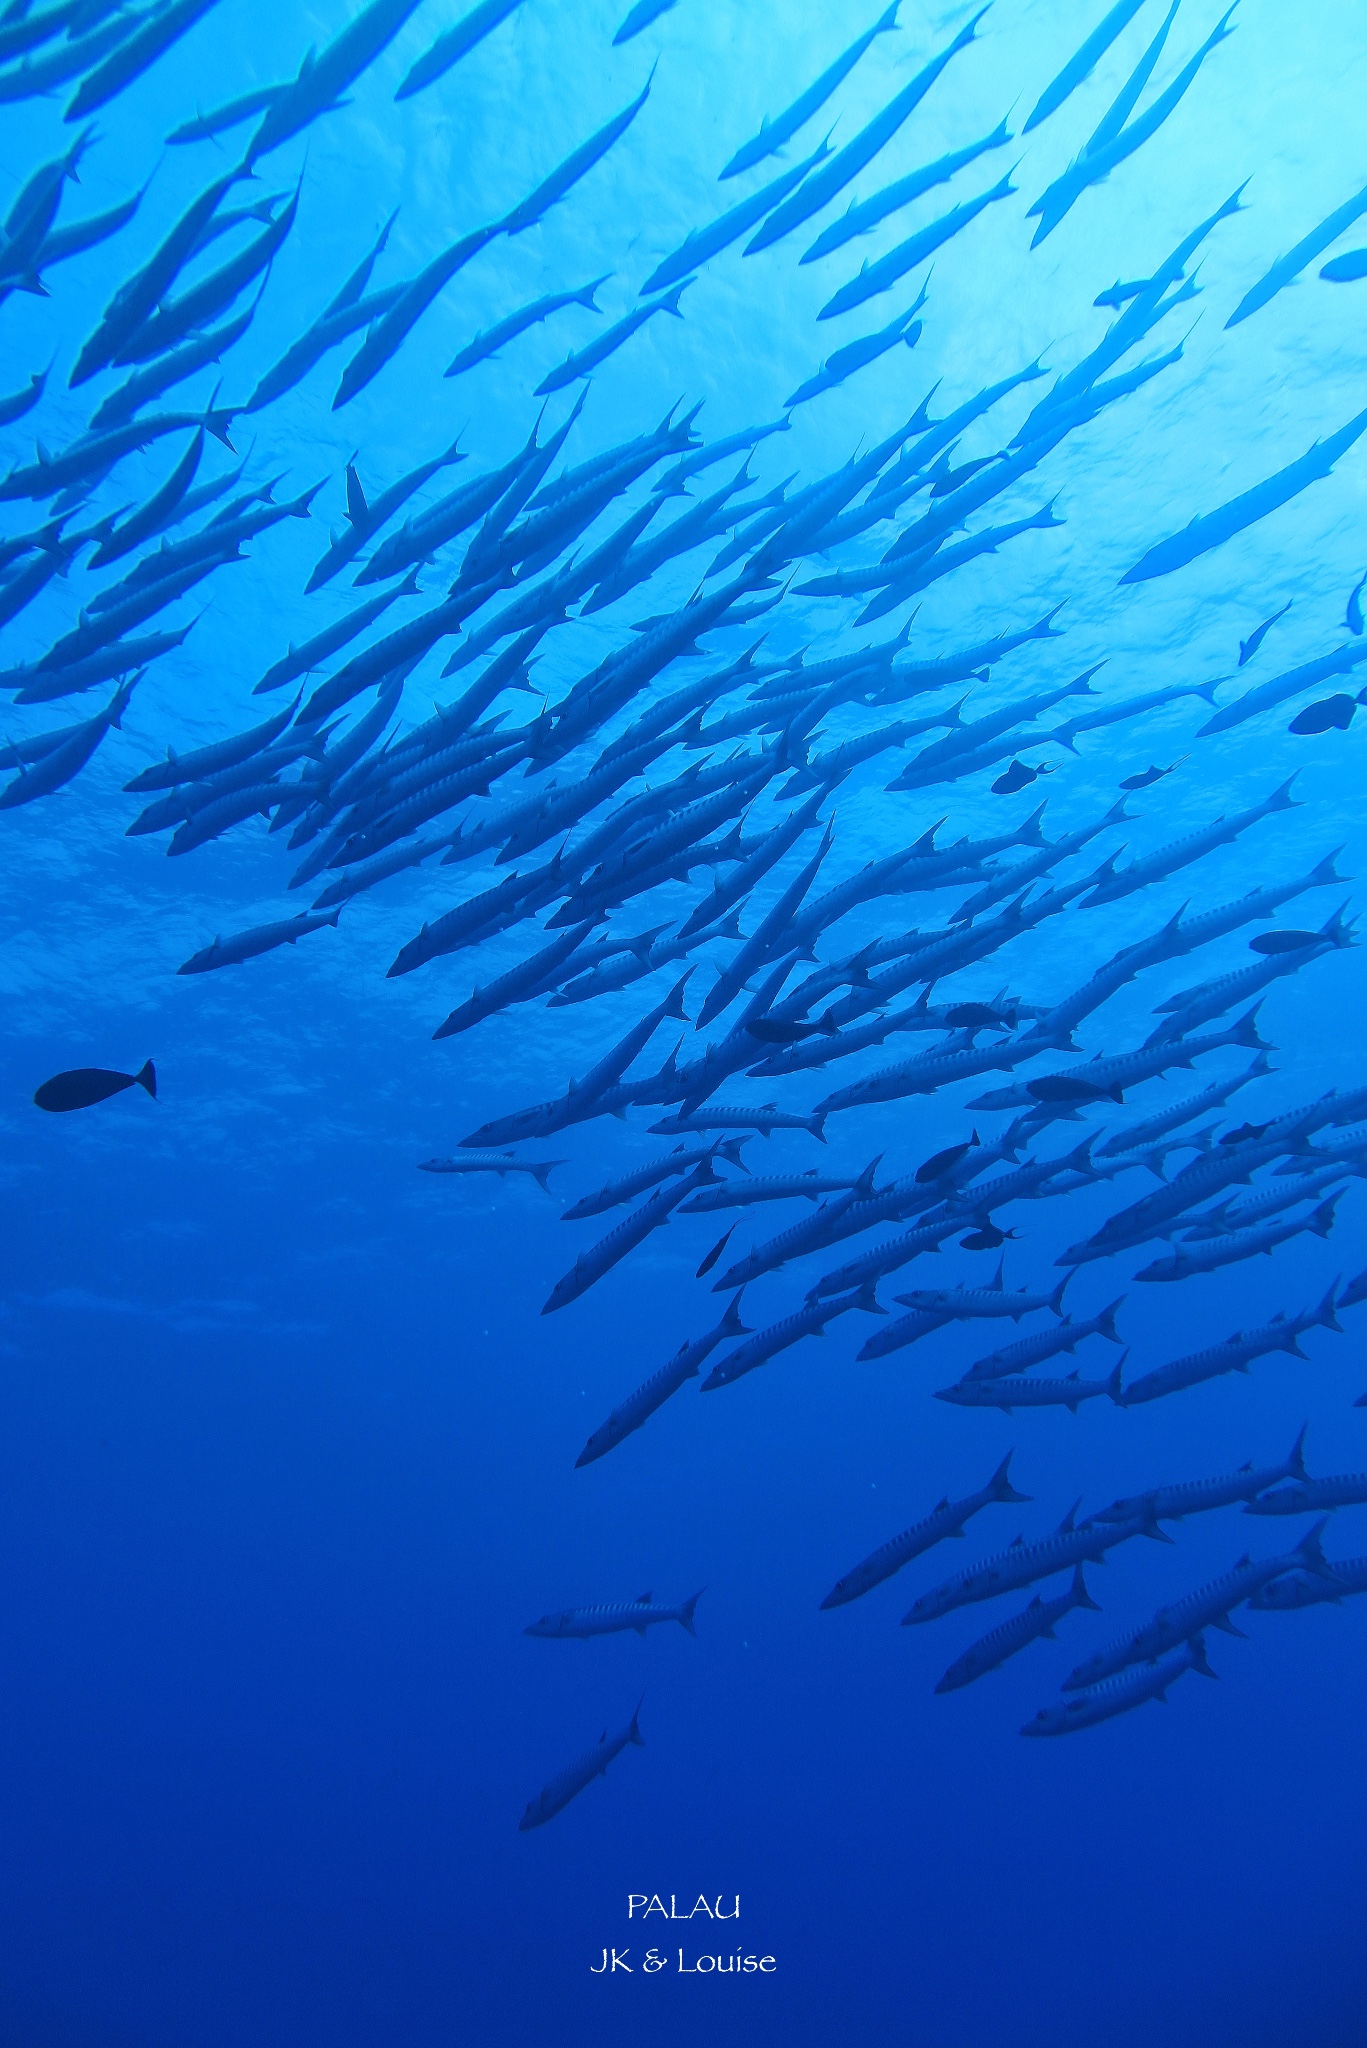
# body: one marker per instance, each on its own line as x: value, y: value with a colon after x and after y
x: 83, y: 1087
x: 985, y: 1239
x: 1274, y: 943
x: 1331, y: 714
x: 1018, y: 776
x: 941, y: 1163
x: 1345, y: 269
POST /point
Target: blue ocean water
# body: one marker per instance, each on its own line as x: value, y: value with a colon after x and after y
x: 287, y: 1449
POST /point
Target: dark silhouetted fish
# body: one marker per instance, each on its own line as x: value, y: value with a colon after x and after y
x: 577, y: 164
x: 1121, y: 1694
x: 1083, y: 61
x: 1147, y: 778
x: 1288, y: 267
x: 946, y: 1520
x: 1331, y: 714
x: 1035, y: 1622
x: 1019, y: 776
x: 83, y: 1087
x: 773, y: 134
x: 501, y: 1163
x: 616, y: 1619
x: 1248, y: 648
x: 833, y: 176
x: 455, y: 43
x: 264, y: 938
x: 556, y: 1796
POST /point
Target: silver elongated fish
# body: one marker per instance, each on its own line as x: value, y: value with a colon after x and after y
x: 263, y: 938
x: 773, y: 134
x: 1009, y: 1393
x: 602, y: 1257
x: 1306, y: 1496
x: 767, y: 1119
x: 1309, y: 1589
x: 1034, y: 1622
x: 773, y: 1187
x: 1072, y: 1543
x: 1119, y: 1695
x: 947, y: 1519
x: 1209, y: 1606
x: 613, y: 1619
x: 501, y: 1163
x: 654, y: 1392
x: 1235, y: 1354
x: 567, y: 1784
x: 1199, y: 1496
x: 675, y: 1163
x: 992, y: 1300
x: 809, y: 1321
x: 1204, y: 1255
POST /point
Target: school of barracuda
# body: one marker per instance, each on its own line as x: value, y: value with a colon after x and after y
x: 663, y: 764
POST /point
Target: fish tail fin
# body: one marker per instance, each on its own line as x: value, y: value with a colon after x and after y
x: 1081, y: 1597
x: 1310, y: 1551
x: 1322, y: 1221
x: 1199, y: 1662
x: 217, y: 419
x: 1282, y: 799
x: 1105, y: 1321
x: 146, y: 1077
x: 540, y: 1172
x: 1113, y: 1387
x: 1245, y: 1031
x: 674, y: 1001
x: 1324, y: 1314
x: 731, y: 1322
x: 816, y: 1124
x: 1030, y: 833
x: 1337, y: 930
x: 634, y: 1730
x: 1056, y: 1298
x: 1000, y: 1483
x: 1295, y: 1464
x: 686, y: 1611
x: 1326, y: 874
x: 867, y: 1299
x: 731, y: 1148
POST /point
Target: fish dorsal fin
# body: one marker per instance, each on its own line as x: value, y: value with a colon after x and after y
x: 1018, y: 1543
x: 1067, y: 1522
x: 997, y: 1281
x: 357, y: 510
x: 643, y: 1599
x: 943, y: 1502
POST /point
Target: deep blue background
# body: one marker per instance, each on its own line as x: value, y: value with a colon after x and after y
x: 286, y: 1451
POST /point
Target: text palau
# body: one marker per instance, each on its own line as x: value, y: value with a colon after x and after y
x: 641, y: 1905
